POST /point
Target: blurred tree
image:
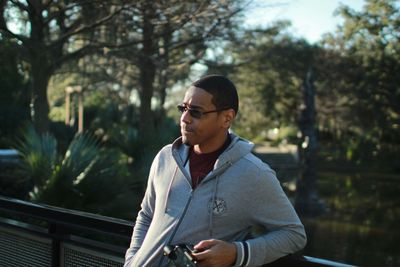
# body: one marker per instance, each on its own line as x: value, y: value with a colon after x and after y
x: 14, y: 93
x: 365, y: 72
x: 146, y: 49
x: 170, y: 37
x: 268, y: 66
x: 49, y: 34
x: 358, y: 96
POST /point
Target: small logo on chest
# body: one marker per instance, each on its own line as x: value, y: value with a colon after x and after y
x: 219, y: 206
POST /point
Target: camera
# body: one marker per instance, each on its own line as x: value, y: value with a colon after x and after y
x: 180, y: 255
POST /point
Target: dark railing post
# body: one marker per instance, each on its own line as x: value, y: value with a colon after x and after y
x: 56, y: 231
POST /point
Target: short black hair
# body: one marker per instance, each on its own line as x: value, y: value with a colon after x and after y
x: 222, y: 89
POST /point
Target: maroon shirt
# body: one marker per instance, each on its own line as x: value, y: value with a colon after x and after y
x: 202, y: 164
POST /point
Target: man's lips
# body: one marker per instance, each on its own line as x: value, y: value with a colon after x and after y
x: 186, y: 130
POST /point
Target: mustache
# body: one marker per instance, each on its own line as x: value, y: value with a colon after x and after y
x: 186, y: 128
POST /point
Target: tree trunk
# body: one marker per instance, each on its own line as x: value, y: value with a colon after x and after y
x: 147, y: 74
x: 146, y: 116
x: 164, y: 72
x: 40, y: 79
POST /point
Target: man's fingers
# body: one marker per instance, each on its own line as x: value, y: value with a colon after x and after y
x: 203, y: 249
x: 205, y: 244
x: 201, y: 255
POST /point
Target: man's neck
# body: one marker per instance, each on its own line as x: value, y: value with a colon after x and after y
x: 199, y: 149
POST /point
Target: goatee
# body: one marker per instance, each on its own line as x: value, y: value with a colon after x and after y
x: 185, y: 141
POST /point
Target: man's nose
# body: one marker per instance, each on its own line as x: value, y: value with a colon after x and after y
x: 185, y: 117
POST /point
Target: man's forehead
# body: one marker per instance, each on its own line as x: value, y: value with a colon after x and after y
x: 197, y: 98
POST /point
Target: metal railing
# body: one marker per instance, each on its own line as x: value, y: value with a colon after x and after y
x: 41, y: 235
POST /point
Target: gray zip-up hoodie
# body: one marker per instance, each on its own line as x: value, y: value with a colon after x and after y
x: 241, y: 192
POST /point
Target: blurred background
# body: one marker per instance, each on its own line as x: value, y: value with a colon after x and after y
x: 89, y: 92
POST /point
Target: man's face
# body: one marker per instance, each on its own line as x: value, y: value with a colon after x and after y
x: 207, y: 130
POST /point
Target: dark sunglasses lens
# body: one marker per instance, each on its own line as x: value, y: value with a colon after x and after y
x: 181, y: 108
x: 195, y: 113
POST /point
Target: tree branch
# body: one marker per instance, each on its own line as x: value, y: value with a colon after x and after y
x: 57, y: 13
x: 84, y: 28
x: 86, y: 50
x: 19, y: 5
x: 208, y: 33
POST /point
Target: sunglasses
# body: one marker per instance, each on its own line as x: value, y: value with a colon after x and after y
x: 197, y: 114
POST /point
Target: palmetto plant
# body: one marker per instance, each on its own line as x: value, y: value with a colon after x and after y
x: 87, y: 177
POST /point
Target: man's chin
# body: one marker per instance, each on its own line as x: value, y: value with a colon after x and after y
x: 186, y: 141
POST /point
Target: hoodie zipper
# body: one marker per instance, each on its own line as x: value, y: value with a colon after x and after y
x: 178, y: 224
x: 217, y: 172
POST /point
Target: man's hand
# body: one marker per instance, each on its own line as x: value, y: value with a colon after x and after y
x: 215, y: 253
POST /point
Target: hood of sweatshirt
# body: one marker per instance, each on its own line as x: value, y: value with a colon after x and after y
x: 237, y: 149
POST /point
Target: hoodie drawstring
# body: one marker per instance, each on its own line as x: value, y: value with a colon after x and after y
x: 169, y: 189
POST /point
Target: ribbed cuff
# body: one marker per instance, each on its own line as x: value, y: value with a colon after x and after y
x: 242, y: 254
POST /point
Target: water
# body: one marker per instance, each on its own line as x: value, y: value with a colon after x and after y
x: 362, y: 224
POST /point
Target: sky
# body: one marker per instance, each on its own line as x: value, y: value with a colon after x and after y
x: 310, y: 18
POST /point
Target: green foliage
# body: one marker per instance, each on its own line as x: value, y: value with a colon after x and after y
x: 104, y: 110
x: 51, y: 35
x: 268, y: 66
x: 141, y: 150
x: 14, y: 95
x: 39, y: 155
x: 356, y: 79
x: 347, y: 192
x: 360, y: 65
x: 85, y: 178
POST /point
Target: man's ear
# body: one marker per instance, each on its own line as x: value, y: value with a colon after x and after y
x: 229, y: 116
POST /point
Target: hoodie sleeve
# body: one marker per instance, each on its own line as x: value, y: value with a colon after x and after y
x: 271, y: 209
x: 143, y: 219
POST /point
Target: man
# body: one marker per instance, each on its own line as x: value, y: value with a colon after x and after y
x: 207, y: 189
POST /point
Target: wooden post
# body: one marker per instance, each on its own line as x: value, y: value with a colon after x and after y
x: 80, y: 110
x: 67, y: 107
x: 70, y: 108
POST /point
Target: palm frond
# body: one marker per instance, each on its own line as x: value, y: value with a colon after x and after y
x: 86, y: 179
x: 38, y: 155
x: 82, y: 152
